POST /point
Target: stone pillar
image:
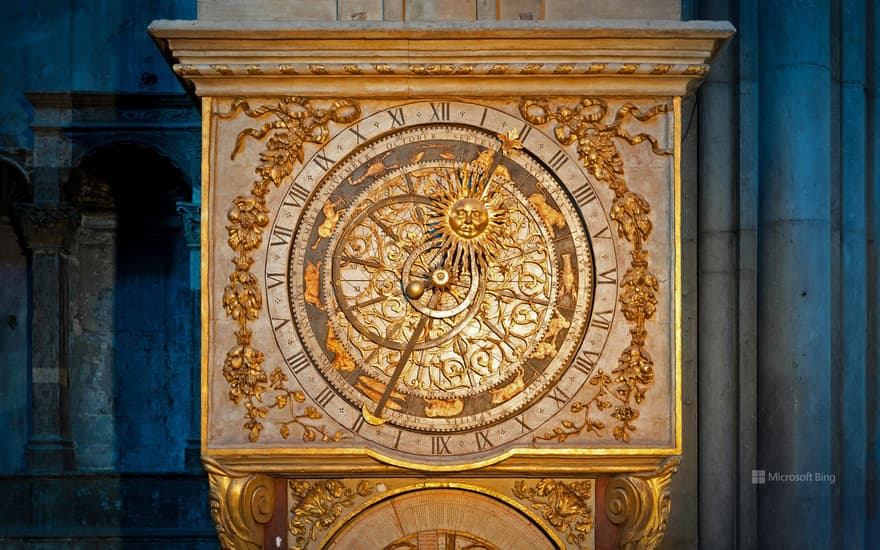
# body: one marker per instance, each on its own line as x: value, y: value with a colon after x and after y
x: 794, y: 274
x: 850, y: 276
x: 747, y: 302
x: 190, y: 215
x: 92, y: 381
x: 872, y: 222
x: 718, y: 336
x: 47, y: 232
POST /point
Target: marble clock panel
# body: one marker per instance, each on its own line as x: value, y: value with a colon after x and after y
x: 444, y: 282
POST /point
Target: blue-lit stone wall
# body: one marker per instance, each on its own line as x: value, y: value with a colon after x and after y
x: 82, y: 45
x: 119, y: 144
x: 98, y: 335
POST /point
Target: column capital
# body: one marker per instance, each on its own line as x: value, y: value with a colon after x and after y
x: 190, y: 214
x: 47, y: 228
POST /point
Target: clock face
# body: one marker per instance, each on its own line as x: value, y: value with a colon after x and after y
x: 442, y: 278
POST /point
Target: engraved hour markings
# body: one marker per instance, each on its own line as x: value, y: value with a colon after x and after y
x: 296, y: 196
x: 406, y: 183
x: 605, y: 233
x: 558, y: 396
x: 602, y: 319
x: 440, y: 111
x: 397, y: 118
x: 483, y: 440
x: 558, y: 160
x: 281, y: 236
x: 358, y: 424
x: 440, y: 444
x: 297, y: 362
x: 360, y: 136
x: 585, y: 194
x: 325, y: 396
x: 324, y: 161
x: 279, y: 322
x: 276, y: 278
x: 585, y: 361
x: 607, y: 277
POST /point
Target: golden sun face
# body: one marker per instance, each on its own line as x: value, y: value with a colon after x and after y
x: 468, y: 219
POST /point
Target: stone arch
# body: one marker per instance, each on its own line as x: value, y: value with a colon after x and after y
x: 132, y: 341
x: 15, y: 187
x: 103, y: 179
x: 170, y: 150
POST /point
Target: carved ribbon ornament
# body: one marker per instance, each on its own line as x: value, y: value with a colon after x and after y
x: 596, y: 142
x: 294, y: 122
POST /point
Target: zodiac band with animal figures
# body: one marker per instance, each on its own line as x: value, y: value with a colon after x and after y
x: 441, y: 280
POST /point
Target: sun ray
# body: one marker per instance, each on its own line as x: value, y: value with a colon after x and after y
x: 468, y: 216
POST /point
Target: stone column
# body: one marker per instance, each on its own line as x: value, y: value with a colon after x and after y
x: 190, y: 215
x: 47, y: 232
x: 93, y: 385
x: 747, y: 270
x: 850, y: 276
x: 794, y: 274
x: 872, y: 223
x: 718, y: 354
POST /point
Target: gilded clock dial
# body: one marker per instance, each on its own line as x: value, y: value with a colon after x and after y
x: 441, y: 280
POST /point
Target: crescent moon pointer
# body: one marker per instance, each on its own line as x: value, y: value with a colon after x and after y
x: 370, y: 418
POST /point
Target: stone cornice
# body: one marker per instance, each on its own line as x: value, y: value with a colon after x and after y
x: 611, y: 58
x: 88, y: 111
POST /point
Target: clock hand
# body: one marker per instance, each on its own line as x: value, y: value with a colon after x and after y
x: 375, y: 418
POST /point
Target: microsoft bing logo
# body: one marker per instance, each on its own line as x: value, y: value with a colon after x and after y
x: 763, y: 477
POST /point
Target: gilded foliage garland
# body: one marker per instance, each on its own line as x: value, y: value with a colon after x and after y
x: 293, y: 122
x: 317, y: 505
x: 564, y: 505
x: 596, y: 141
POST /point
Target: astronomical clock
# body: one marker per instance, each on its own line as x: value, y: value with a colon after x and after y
x: 441, y: 276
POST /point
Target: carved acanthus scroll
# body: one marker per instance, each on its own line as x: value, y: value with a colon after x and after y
x: 565, y: 506
x: 317, y: 505
x: 241, y: 503
x: 640, y: 505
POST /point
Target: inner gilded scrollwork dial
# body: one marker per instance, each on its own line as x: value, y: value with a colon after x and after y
x: 404, y: 256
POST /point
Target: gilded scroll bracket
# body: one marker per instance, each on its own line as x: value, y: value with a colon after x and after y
x: 640, y: 504
x: 241, y: 504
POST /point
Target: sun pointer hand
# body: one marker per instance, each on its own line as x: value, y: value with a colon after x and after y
x: 375, y: 418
